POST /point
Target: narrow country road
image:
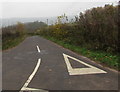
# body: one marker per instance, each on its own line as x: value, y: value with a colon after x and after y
x: 39, y: 64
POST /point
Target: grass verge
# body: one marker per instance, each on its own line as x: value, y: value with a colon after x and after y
x: 107, y: 59
x: 12, y: 42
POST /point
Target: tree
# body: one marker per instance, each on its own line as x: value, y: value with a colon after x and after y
x: 20, y: 28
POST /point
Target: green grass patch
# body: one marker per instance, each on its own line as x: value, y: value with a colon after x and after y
x: 108, y: 59
x: 10, y: 42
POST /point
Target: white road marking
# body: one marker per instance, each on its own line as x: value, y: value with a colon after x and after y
x: 34, y: 89
x: 81, y: 71
x: 31, y: 89
x: 38, y: 49
x: 31, y: 76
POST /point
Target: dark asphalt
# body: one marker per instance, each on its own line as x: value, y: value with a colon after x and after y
x: 19, y: 62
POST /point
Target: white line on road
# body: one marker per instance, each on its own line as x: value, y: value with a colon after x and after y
x: 35, y: 90
x: 81, y: 71
x: 38, y: 49
x: 32, y: 75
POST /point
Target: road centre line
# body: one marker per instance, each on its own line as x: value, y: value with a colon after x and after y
x: 38, y: 49
x: 31, y: 76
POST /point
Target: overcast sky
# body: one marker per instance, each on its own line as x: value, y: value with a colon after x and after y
x: 47, y: 9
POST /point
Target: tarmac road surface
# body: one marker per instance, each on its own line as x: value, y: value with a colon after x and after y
x: 39, y: 64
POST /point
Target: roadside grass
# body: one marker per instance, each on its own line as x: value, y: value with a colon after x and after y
x: 0, y: 46
x: 11, y: 42
x: 106, y: 59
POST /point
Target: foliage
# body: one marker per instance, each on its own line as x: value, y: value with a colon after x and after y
x: 12, y: 35
x: 96, y: 29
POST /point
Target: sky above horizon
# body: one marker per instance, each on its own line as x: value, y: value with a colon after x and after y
x: 46, y: 9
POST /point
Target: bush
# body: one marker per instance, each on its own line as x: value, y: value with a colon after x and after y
x: 96, y: 29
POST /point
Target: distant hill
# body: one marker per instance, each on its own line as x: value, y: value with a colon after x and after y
x: 33, y: 26
x: 11, y: 21
x: 28, y: 27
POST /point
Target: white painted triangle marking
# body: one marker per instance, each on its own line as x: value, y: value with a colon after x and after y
x: 31, y: 89
x: 81, y: 71
x: 36, y: 90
